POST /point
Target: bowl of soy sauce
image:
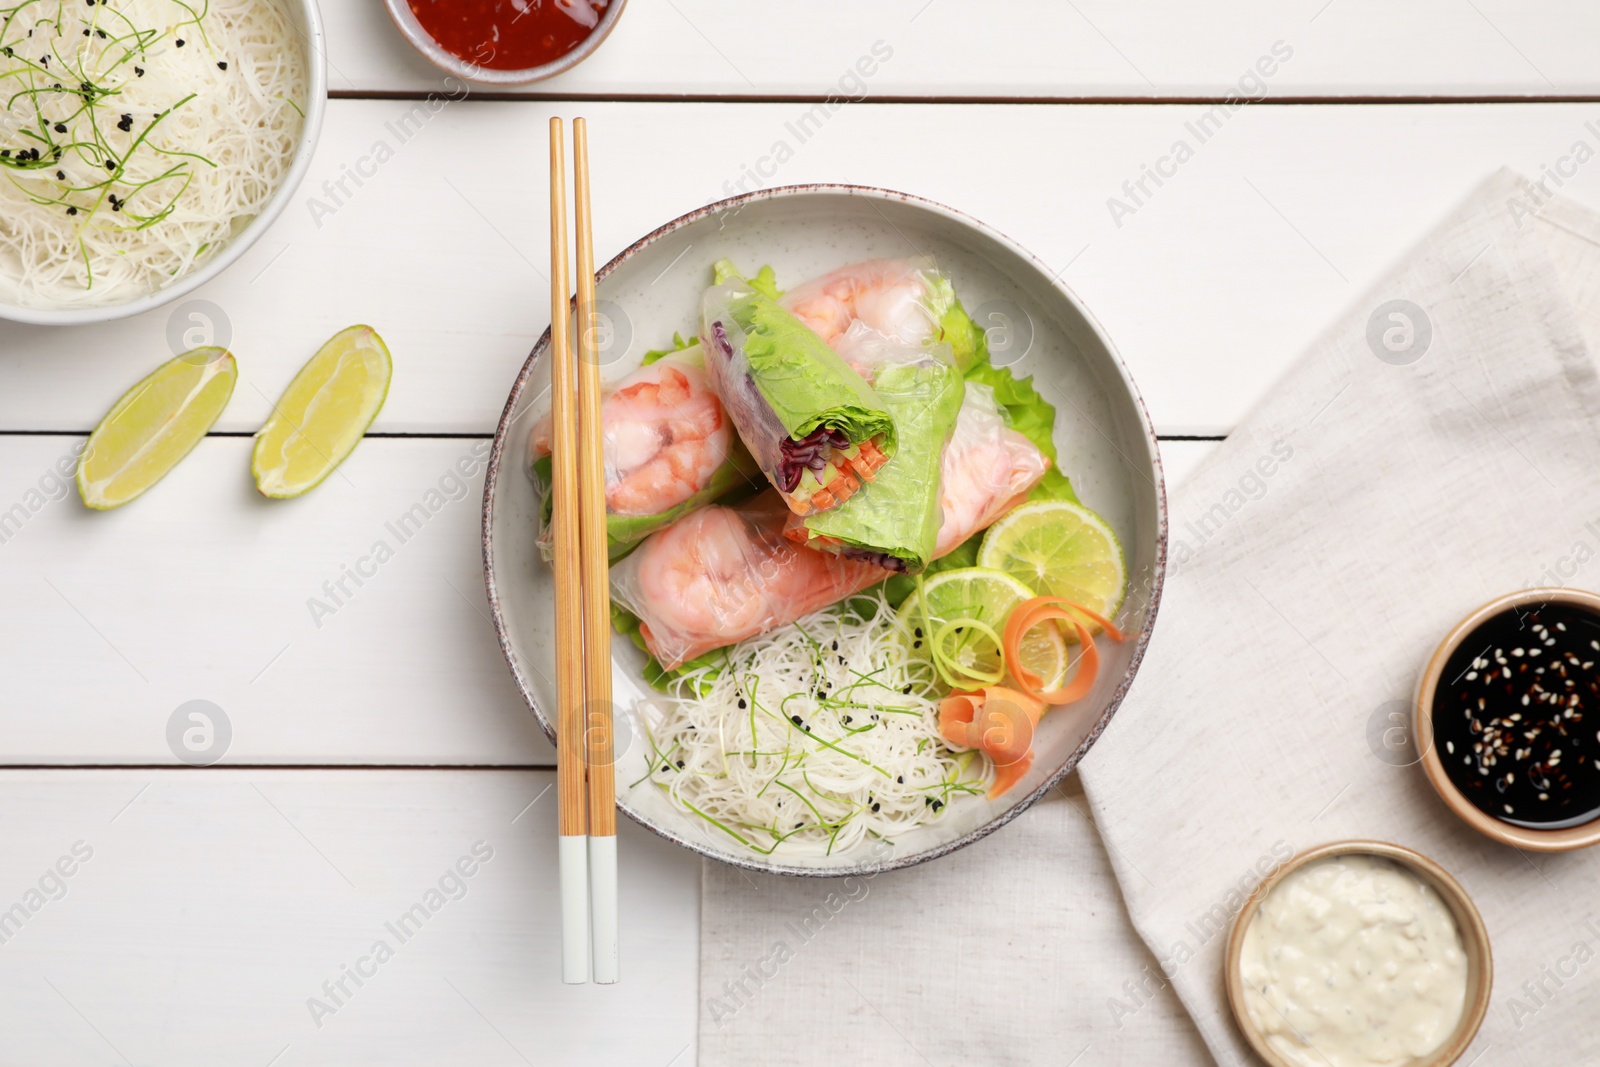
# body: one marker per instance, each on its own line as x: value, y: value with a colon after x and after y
x: 1508, y: 719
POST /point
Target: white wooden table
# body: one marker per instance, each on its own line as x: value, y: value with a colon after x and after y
x: 209, y: 912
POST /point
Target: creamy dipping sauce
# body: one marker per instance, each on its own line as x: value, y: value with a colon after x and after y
x: 1354, y: 961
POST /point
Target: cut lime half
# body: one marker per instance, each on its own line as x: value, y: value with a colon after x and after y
x: 1060, y: 549
x: 323, y: 414
x: 986, y: 596
x: 154, y: 425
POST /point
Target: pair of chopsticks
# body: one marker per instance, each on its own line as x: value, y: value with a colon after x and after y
x: 585, y: 786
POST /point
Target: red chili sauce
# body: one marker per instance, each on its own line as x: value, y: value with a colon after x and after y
x: 509, y: 34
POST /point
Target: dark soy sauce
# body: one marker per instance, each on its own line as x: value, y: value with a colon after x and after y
x: 1516, y: 712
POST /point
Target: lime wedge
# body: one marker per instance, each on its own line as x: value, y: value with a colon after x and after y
x: 323, y: 414
x: 154, y: 425
x: 1059, y: 549
x: 988, y: 596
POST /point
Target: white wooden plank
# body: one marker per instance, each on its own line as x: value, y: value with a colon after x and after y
x: 1042, y: 48
x: 202, y: 590
x: 1219, y: 278
x: 1179, y: 458
x: 205, y: 910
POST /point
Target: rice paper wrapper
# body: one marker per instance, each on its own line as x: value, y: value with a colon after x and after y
x: 988, y: 469
x: 895, y: 521
x: 669, y: 448
x: 722, y: 574
x: 780, y: 382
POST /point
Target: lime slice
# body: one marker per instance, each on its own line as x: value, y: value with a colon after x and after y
x: 154, y: 425
x: 987, y: 596
x: 323, y: 414
x: 1059, y: 549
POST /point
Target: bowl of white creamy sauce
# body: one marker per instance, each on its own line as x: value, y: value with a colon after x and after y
x: 1359, y: 954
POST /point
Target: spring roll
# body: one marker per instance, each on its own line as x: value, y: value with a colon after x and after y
x: 988, y: 469
x: 722, y: 574
x: 910, y: 300
x: 815, y: 427
x: 894, y: 522
x: 669, y: 448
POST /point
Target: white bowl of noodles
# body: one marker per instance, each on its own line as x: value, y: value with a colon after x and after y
x: 177, y: 135
x: 1103, y: 437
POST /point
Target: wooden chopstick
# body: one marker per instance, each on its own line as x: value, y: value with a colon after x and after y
x: 570, y: 792
x: 595, y: 573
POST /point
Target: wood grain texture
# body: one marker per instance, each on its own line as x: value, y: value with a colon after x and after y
x: 1040, y: 49
x: 594, y: 550
x: 206, y: 909
x: 1210, y: 289
x: 565, y: 520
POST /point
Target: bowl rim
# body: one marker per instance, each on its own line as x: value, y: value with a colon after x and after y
x: 1139, y: 642
x: 406, y: 21
x: 1469, y: 922
x: 305, y: 147
x: 1563, y: 840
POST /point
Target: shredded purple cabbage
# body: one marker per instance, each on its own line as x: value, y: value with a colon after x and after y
x: 881, y: 559
x: 719, y: 334
x: 811, y: 453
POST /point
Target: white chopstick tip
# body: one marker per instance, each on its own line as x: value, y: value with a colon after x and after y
x: 573, y: 858
x: 603, y: 898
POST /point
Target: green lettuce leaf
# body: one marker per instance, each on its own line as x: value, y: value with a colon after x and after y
x: 897, y: 513
x: 678, y: 345
x: 803, y: 381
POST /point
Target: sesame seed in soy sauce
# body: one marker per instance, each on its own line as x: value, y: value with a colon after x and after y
x: 1516, y: 714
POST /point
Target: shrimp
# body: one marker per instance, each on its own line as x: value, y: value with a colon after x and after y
x: 664, y: 434
x: 892, y: 296
x: 987, y: 470
x: 720, y: 575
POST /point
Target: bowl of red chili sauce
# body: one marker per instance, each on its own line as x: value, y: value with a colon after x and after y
x: 505, y: 42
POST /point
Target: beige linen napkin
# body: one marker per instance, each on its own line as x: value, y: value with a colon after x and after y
x: 1002, y: 953
x: 1318, y: 557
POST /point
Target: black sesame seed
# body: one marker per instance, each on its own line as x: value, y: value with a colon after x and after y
x: 101, y: 34
x: 61, y: 176
x: 836, y: 646
x: 742, y: 704
x: 680, y: 765
x: 918, y: 631
x: 86, y: 33
x: 72, y: 211
x: 916, y: 644
x: 665, y: 767
x: 138, y: 71
x: 111, y: 164
x: 61, y: 127
x: 795, y: 719
x: 901, y: 779
x: 907, y: 689
x: 937, y: 804
x: 222, y: 66
x: 180, y: 42
x: 876, y: 807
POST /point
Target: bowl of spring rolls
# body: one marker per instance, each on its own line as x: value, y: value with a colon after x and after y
x: 886, y: 522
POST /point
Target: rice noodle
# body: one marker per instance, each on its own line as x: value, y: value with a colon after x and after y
x: 215, y: 159
x: 727, y: 748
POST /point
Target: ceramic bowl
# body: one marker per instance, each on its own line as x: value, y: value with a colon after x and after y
x: 1474, y: 939
x: 307, y: 22
x: 1105, y: 441
x: 405, y: 20
x: 1536, y: 840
